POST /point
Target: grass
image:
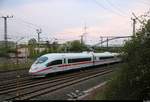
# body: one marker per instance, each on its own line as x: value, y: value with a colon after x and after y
x: 8, y: 66
x: 100, y: 93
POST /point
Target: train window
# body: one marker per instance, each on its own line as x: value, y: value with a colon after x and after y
x: 41, y: 60
x: 78, y: 60
x: 56, y: 62
x: 106, y: 57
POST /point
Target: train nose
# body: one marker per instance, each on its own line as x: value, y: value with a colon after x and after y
x: 34, y: 71
x: 31, y: 71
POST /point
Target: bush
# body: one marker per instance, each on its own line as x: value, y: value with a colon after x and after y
x: 132, y: 80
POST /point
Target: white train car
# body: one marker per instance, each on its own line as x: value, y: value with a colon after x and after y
x: 105, y: 58
x: 56, y: 62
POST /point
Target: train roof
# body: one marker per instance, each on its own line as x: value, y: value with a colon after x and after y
x: 67, y: 55
x: 104, y: 54
x: 76, y: 55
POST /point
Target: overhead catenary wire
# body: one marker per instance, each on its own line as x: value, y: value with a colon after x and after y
x: 146, y: 14
x: 144, y: 2
x: 24, y: 25
x: 34, y: 26
x: 117, y: 9
x: 107, y: 9
x: 15, y: 35
x: 28, y: 23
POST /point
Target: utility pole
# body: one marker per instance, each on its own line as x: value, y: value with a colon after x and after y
x: 5, y: 29
x: 134, y: 22
x: 26, y: 54
x: 101, y: 40
x: 82, y: 39
x: 39, y: 31
x: 83, y: 35
x: 142, y: 22
x: 107, y: 42
x: 85, y: 32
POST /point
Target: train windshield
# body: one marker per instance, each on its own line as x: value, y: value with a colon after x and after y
x: 41, y: 60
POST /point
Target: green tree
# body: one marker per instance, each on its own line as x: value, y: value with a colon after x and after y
x: 4, y: 52
x: 74, y: 46
x: 132, y: 80
x: 32, y: 44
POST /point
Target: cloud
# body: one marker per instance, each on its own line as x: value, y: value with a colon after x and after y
x: 116, y: 27
x: 65, y: 20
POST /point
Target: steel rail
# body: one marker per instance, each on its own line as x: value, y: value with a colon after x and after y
x: 70, y: 79
x: 42, y: 83
x: 29, y: 81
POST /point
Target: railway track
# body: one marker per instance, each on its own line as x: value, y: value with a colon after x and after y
x: 31, y: 88
x: 13, y: 70
x: 27, y: 80
x: 12, y: 75
x: 9, y: 82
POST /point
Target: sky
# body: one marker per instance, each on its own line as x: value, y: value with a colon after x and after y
x: 65, y: 20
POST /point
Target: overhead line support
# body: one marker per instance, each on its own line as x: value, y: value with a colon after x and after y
x: 5, y: 29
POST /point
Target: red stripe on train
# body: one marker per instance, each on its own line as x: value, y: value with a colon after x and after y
x: 40, y: 70
x: 64, y: 65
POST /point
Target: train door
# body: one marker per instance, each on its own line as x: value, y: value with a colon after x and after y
x: 64, y: 62
x: 67, y: 64
x: 93, y: 58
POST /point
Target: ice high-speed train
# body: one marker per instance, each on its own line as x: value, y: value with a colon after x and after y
x: 56, y: 62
